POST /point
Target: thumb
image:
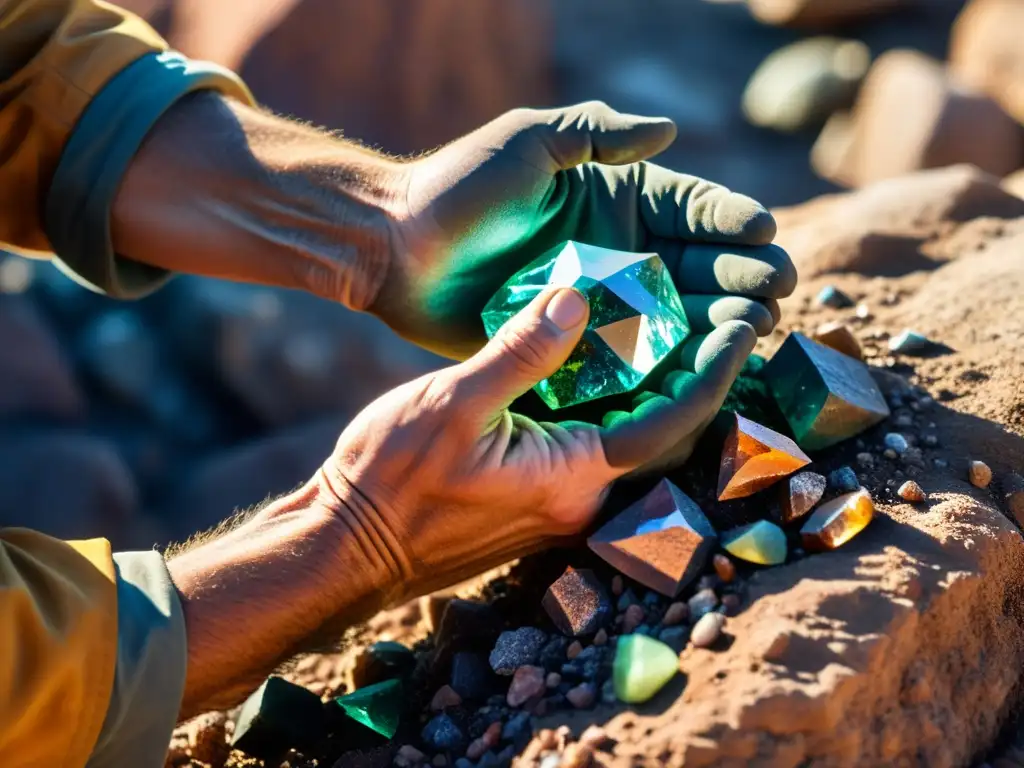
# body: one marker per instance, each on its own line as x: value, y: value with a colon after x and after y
x: 594, y: 132
x: 528, y: 348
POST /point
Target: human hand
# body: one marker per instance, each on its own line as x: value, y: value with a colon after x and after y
x: 484, y: 206
x: 442, y: 481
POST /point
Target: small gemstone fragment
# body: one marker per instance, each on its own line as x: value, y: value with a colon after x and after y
x: 837, y: 521
x: 516, y: 648
x: 577, y: 603
x: 277, y: 717
x: 800, y: 493
x: 843, y: 480
x: 911, y: 343
x: 762, y: 542
x: 724, y: 568
x: 896, y: 442
x: 825, y: 396
x: 707, y: 630
x: 662, y: 541
x: 911, y: 491
x: 832, y: 297
x: 378, y: 706
x: 755, y: 457
x: 979, y: 474
x: 642, y: 667
x: 839, y: 337
x: 636, y: 317
x: 386, y: 660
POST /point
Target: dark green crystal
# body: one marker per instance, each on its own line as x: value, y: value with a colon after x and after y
x: 378, y: 706
x: 636, y: 317
x: 277, y: 717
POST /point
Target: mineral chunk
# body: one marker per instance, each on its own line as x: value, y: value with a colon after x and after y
x: 825, y: 396
x: 911, y: 491
x: 843, y: 480
x: 472, y: 677
x: 442, y: 733
x: 762, y: 543
x: 642, y: 667
x: 516, y: 648
x: 839, y: 337
x: 707, y: 630
x: 277, y: 717
x: 386, y: 660
x: 661, y: 541
x: 979, y: 473
x: 636, y: 317
x: 799, y: 495
x: 837, y: 521
x: 755, y: 457
x: 911, y: 343
x: 577, y: 603
x: 830, y: 296
x: 378, y: 706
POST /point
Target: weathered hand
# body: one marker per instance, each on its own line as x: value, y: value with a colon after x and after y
x: 485, y: 205
x: 442, y: 481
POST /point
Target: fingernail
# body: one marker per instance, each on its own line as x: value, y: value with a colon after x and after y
x: 566, y: 309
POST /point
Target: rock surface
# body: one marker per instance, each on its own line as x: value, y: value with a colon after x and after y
x: 985, y: 50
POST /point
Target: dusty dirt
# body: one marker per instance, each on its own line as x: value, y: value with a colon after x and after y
x: 904, y: 647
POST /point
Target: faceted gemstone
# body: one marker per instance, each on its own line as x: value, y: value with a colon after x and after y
x: 839, y: 337
x: 385, y: 660
x: 825, y: 396
x: 762, y: 542
x: 642, y: 667
x: 277, y: 717
x: 577, y: 603
x: 911, y: 343
x: 378, y: 706
x: 662, y: 541
x: 830, y: 296
x: 636, y: 317
x: 837, y: 521
x: 755, y: 457
x: 799, y: 495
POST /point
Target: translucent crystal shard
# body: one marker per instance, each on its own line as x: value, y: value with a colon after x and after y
x: 636, y: 317
x: 799, y: 494
x: 377, y: 706
x: 755, y: 457
x: 577, y: 602
x: 837, y: 521
x: 825, y: 396
x: 762, y: 542
x: 662, y: 541
x: 642, y: 667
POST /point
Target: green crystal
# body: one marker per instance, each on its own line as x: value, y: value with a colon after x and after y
x: 763, y: 543
x: 279, y: 716
x: 642, y: 667
x: 377, y: 706
x: 636, y: 317
x: 825, y: 396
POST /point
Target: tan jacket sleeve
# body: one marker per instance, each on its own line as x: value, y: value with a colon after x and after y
x: 55, y: 56
x: 58, y: 644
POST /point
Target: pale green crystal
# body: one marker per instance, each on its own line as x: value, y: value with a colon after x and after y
x: 642, y: 667
x: 762, y: 542
x: 636, y: 317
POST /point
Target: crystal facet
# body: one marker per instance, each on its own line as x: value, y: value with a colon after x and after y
x: 636, y: 317
x: 799, y: 495
x: 577, y: 602
x: 662, y: 541
x: 277, y: 717
x: 825, y: 396
x: 642, y: 667
x: 762, y: 542
x: 755, y: 457
x: 837, y: 521
x: 378, y: 706
x: 839, y: 337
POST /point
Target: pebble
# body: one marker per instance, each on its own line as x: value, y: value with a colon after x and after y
x: 651, y: 599
x: 626, y: 599
x: 515, y: 730
x: 575, y: 649
x: 445, y: 697
x: 910, y: 343
x: 553, y: 680
x: 911, y: 491
x: 617, y: 585
x: 940, y: 463
x: 930, y: 441
x: 731, y: 603
x: 865, y: 459
x: 863, y: 312
x: 608, y: 692
x: 551, y: 761
x: 517, y: 648
x: 601, y: 637
x: 462, y: 762
x: 527, y: 682
x: 913, y: 457
x: 472, y: 677
x: 439, y: 761
x: 707, y: 630
x: 410, y: 755
x: 889, y: 453
x: 677, y: 613
x: 896, y: 442
x: 675, y: 637
x: 594, y: 737
x: 583, y: 696
x: 701, y: 603
x: 839, y: 337
x: 979, y: 473
x: 830, y: 296
x: 724, y: 568
x: 442, y: 733
x: 634, y: 617
x: 903, y: 421
x: 553, y: 653
x: 843, y: 480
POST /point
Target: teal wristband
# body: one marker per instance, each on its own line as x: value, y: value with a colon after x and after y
x: 97, y: 154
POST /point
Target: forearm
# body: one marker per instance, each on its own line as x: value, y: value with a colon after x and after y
x: 224, y: 190
x: 295, y: 575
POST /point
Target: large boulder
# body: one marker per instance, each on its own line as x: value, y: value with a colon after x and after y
x: 985, y: 50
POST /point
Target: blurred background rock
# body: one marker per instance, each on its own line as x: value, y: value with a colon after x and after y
x: 147, y: 421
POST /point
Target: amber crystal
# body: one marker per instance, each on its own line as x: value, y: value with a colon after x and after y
x: 825, y: 396
x: 662, y: 541
x: 837, y: 521
x: 799, y: 494
x: 755, y: 457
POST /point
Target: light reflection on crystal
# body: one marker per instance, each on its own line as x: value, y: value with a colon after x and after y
x: 754, y: 457
x: 762, y: 543
x: 837, y: 521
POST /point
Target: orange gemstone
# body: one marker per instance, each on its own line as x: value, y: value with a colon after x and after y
x: 836, y: 522
x: 755, y: 457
